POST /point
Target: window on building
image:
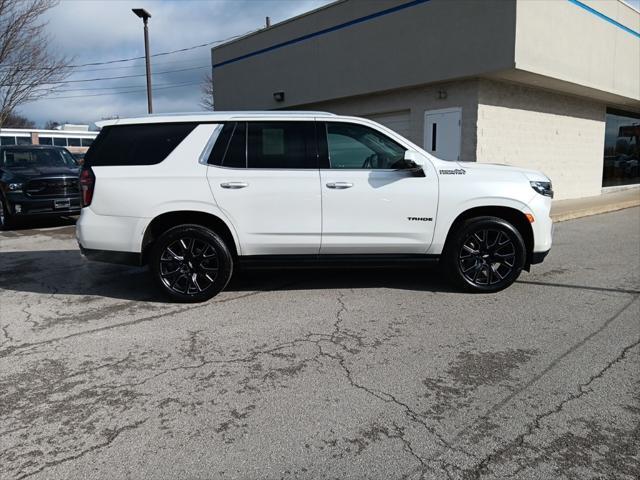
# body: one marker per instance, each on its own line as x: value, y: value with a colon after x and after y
x: 621, y: 148
x: 355, y: 146
x: 23, y: 140
x: 289, y: 145
x: 45, y: 141
x: 60, y: 142
x: 73, y: 142
x: 86, y: 142
x: 6, y: 140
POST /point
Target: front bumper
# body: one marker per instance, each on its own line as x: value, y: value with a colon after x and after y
x: 20, y: 205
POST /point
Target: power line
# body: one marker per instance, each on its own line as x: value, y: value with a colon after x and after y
x: 110, y: 88
x: 170, y: 52
x: 122, y: 76
x: 120, y: 93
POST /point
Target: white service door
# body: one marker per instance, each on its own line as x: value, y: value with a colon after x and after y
x: 442, y: 133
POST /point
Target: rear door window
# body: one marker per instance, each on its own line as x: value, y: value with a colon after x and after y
x: 145, y: 144
x: 286, y: 145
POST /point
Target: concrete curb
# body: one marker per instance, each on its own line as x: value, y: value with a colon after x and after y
x: 594, y: 210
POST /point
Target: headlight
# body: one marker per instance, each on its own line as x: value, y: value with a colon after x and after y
x: 543, y: 188
x: 15, y: 186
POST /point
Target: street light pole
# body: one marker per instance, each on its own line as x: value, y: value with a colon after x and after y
x: 145, y: 16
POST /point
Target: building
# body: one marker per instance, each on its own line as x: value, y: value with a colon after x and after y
x: 76, y: 138
x: 547, y: 84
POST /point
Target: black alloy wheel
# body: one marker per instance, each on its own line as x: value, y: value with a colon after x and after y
x: 487, y: 254
x: 191, y: 263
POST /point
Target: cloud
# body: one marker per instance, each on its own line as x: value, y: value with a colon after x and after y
x: 99, y: 30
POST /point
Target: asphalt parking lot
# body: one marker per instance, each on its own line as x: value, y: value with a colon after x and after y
x: 323, y: 374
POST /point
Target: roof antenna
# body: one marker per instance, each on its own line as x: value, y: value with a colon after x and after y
x: 267, y: 22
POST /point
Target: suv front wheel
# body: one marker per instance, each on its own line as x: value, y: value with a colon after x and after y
x: 485, y: 254
x: 190, y: 263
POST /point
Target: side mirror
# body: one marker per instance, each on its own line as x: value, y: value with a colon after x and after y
x: 413, y: 157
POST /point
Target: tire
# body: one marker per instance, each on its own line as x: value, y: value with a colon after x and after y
x: 6, y: 219
x: 484, y: 254
x: 190, y: 263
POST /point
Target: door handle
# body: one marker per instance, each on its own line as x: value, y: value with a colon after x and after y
x: 339, y: 185
x: 234, y: 185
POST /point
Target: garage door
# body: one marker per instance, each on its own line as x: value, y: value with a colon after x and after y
x: 396, y: 121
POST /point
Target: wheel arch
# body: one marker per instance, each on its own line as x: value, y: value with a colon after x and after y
x: 512, y: 215
x: 167, y: 220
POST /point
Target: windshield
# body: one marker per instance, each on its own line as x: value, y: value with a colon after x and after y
x: 17, y: 158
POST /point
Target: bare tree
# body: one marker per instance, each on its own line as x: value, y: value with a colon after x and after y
x: 206, y: 101
x: 51, y: 125
x: 28, y: 70
x: 18, y: 121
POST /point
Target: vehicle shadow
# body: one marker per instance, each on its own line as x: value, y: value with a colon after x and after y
x: 67, y: 272
x: 30, y: 223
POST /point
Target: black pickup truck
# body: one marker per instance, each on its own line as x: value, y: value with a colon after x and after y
x: 37, y: 180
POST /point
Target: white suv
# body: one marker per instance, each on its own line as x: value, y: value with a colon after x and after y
x: 195, y: 196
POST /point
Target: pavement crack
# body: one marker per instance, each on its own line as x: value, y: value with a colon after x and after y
x: 111, y: 436
x: 29, y: 345
x: 482, y: 467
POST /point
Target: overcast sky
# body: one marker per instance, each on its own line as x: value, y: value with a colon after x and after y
x: 97, y: 30
x: 103, y: 30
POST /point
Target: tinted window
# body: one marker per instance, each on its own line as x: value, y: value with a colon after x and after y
x: 17, y: 158
x: 73, y: 142
x: 145, y: 144
x: 236, y: 155
x: 222, y: 143
x: 23, y: 140
x: 621, y: 149
x: 60, y: 142
x: 45, y: 141
x: 86, y: 142
x: 359, y: 147
x: 288, y: 145
x: 7, y: 140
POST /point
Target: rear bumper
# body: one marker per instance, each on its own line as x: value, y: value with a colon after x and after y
x: 112, y: 256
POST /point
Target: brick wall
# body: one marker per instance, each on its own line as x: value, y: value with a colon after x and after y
x: 560, y: 135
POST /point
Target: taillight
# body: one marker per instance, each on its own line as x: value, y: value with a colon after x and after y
x: 87, y: 184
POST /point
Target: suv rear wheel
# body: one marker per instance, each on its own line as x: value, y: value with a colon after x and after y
x: 190, y: 263
x: 485, y: 254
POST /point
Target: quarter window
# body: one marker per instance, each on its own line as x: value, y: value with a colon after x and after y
x: 145, y: 144
x: 230, y: 149
x: 353, y: 146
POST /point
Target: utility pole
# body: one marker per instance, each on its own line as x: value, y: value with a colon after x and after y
x: 145, y: 16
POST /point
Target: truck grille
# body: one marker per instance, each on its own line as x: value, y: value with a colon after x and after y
x: 52, y: 187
